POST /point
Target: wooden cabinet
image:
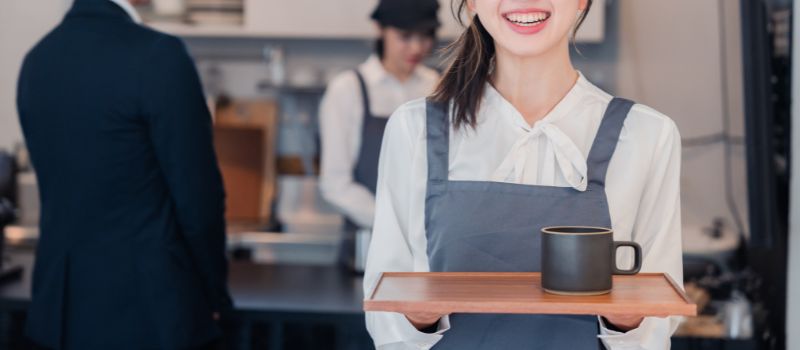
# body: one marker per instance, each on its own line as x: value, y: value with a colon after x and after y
x: 244, y: 140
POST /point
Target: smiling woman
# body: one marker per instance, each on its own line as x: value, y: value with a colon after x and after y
x: 513, y: 140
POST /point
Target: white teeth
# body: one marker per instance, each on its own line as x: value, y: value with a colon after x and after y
x: 527, y: 19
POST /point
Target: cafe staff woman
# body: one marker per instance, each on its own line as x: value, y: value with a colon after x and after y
x: 467, y: 179
x: 357, y: 104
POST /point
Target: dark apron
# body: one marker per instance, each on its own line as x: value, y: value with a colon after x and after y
x: 479, y: 226
x: 366, y: 170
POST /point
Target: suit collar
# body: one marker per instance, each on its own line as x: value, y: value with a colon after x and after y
x: 99, y: 8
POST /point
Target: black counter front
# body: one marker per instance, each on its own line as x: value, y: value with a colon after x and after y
x: 271, y: 296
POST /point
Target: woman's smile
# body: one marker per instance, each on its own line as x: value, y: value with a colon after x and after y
x: 527, y: 21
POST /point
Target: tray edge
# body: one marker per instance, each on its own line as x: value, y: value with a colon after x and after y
x: 592, y: 309
x: 688, y: 308
x: 374, y: 290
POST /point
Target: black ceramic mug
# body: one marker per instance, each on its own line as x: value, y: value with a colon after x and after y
x: 581, y: 260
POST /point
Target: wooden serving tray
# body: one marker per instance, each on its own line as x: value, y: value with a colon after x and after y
x: 649, y: 294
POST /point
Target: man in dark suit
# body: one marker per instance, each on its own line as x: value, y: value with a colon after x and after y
x: 132, y: 246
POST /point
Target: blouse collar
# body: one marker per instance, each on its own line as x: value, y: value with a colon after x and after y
x: 561, y: 151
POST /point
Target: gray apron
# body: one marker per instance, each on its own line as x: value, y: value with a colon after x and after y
x: 478, y: 226
x: 366, y: 170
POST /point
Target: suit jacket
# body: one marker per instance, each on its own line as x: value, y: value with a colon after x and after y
x: 132, y: 247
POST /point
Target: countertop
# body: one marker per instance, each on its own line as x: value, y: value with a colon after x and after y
x: 255, y: 288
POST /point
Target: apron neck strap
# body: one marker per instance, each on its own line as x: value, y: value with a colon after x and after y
x: 364, y: 94
x: 438, y: 137
x: 606, y: 141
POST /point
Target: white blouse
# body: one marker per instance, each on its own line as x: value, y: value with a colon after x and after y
x: 642, y: 187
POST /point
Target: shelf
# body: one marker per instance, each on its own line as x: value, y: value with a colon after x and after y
x: 293, y: 89
x: 205, y: 31
x: 187, y: 30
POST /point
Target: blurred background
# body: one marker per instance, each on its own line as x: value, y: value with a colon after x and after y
x: 719, y: 68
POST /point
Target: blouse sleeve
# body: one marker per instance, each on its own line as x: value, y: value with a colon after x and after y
x: 393, y: 245
x: 340, y: 118
x: 658, y: 230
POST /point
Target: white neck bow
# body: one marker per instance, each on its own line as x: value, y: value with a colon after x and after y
x: 521, y: 164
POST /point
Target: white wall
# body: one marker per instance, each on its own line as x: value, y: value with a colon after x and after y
x: 22, y: 24
x: 674, y: 67
x: 793, y: 303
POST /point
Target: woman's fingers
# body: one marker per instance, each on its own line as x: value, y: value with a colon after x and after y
x: 422, y: 320
x: 624, y: 323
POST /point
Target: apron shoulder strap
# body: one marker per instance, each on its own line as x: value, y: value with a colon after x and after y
x: 364, y: 94
x: 606, y: 141
x: 438, y: 140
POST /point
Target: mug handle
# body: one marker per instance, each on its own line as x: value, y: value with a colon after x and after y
x: 637, y: 262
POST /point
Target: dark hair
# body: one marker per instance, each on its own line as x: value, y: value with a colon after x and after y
x: 379, y: 47
x: 380, y: 43
x: 471, y: 54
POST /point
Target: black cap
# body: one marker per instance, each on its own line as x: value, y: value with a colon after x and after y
x: 408, y: 14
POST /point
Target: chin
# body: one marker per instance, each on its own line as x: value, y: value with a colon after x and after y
x: 528, y: 45
x: 526, y: 48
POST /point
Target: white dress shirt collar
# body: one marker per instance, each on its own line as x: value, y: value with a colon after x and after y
x: 125, y: 5
x: 495, y: 104
x: 375, y: 73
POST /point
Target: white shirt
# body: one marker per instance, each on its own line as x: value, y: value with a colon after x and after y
x: 642, y: 187
x: 341, y: 116
x: 129, y: 10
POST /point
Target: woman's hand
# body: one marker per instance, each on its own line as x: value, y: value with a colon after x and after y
x: 623, y: 323
x: 422, y: 320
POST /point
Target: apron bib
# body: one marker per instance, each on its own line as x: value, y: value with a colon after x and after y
x: 482, y: 226
x: 366, y: 171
